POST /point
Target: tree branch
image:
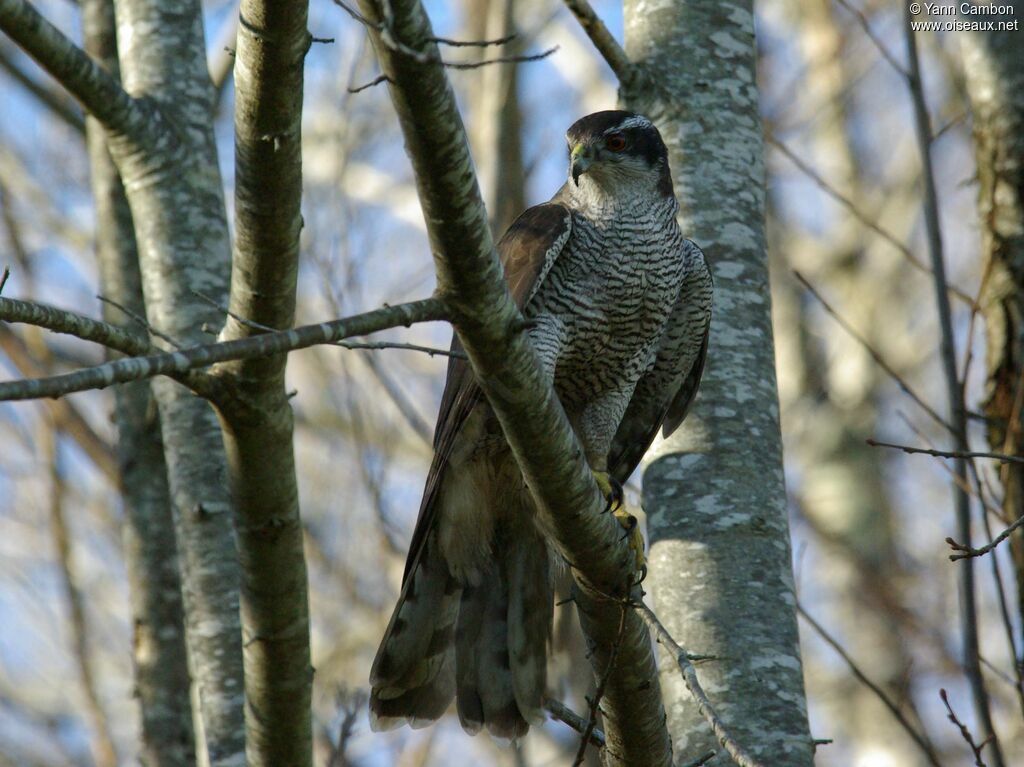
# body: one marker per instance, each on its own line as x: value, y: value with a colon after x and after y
x: 491, y: 329
x: 954, y: 392
x: 67, y: 322
x: 682, y: 658
x: 97, y: 91
x: 137, y: 368
x: 603, y: 40
x: 566, y: 715
x: 969, y: 551
x: 57, y: 103
x: 1001, y: 457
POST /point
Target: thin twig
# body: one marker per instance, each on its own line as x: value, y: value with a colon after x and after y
x: 734, y: 749
x: 137, y: 368
x: 954, y: 392
x: 141, y: 321
x: 975, y: 747
x: 562, y: 713
x: 473, y: 43
x: 1001, y: 457
x: 431, y: 350
x: 866, y: 26
x: 252, y: 324
x: 603, y: 40
x: 599, y: 692
x: 500, y: 60
x: 375, y: 81
x: 3, y: 278
x: 865, y: 219
x: 969, y: 551
x: 701, y: 761
x: 919, y: 738
x: 879, y: 360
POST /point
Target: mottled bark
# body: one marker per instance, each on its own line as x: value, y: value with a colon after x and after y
x: 174, y: 190
x: 994, y: 69
x: 272, y: 44
x: 491, y: 329
x: 715, y: 497
x: 150, y: 550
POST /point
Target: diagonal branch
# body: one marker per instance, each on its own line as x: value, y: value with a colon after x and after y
x: 99, y: 92
x: 180, y: 362
x: 492, y: 331
x: 602, y: 39
x: 63, y: 321
x: 58, y: 103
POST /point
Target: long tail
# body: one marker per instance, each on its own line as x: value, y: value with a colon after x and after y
x: 412, y: 677
x: 501, y: 639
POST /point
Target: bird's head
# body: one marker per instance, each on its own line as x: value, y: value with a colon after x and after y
x: 618, y: 150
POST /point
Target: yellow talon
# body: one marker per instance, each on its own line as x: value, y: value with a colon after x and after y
x: 610, y: 489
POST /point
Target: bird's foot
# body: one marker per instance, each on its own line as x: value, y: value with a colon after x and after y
x: 611, y: 489
x: 636, y: 540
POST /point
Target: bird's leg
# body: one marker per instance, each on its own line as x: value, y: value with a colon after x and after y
x: 611, y: 489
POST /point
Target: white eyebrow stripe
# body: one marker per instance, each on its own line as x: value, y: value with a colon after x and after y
x: 637, y: 121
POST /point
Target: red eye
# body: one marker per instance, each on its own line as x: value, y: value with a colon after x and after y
x: 615, y: 142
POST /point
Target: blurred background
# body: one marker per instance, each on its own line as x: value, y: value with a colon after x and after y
x: 844, y: 209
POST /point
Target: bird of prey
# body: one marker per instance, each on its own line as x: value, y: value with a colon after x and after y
x: 618, y: 305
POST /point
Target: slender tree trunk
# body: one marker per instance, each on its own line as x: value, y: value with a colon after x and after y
x: 994, y: 68
x: 151, y: 554
x: 715, y: 497
x: 174, y: 189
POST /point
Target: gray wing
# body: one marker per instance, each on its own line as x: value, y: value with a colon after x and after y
x: 663, y: 396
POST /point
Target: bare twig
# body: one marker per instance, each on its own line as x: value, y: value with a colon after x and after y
x: 866, y: 26
x: 1001, y: 457
x: 375, y: 81
x: 137, y: 368
x: 595, y: 702
x: 139, y: 320
x: 919, y: 738
x: 969, y: 551
x: 4, y: 277
x: 500, y: 60
x: 879, y: 360
x: 968, y: 608
x: 734, y: 749
x: 975, y: 747
x: 864, y: 218
x: 430, y: 350
x: 700, y: 761
x: 566, y: 715
x: 473, y: 43
x: 603, y: 40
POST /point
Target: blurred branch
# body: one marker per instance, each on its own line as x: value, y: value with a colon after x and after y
x: 603, y: 40
x: 954, y: 392
x: 969, y: 551
x: 470, y: 280
x: 948, y: 453
x: 99, y: 92
x: 875, y: 355
x: 180, y: 362
x: 682, y: 658
x: 566, y: 715
x: 964, y: 732
x: 54, y: 102
x: 919, y: 738
x: 861, y: 216
x: 102, y: 743
x: 428, y: 350
x: 866, y: 26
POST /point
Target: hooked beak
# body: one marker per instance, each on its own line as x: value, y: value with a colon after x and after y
x: 581, y: 162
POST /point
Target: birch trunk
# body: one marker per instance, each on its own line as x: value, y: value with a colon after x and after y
x: 715, y: 498
x: 151, y: 553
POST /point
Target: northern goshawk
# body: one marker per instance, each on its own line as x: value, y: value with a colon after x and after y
x: 618, y: 304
